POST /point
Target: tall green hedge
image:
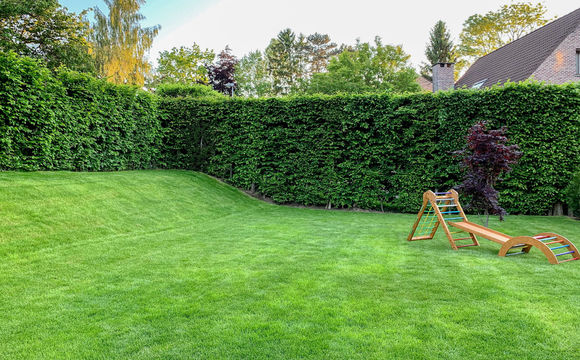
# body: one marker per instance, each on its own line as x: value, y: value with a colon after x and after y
x: 368, y: 151
x: 378, y: 151
x: 70, y: 121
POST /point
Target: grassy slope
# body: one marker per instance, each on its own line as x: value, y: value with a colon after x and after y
x: 170, y: 264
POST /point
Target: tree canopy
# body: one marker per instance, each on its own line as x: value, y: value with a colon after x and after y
x: 483, y: 34
x: 252, y: 77
x: 367, y: 68
x: 286, y: 61
x: 319, y: 50
x: 47, y: 31
x: 221, y: 74
x: 121, y: 44
x: 184, y: 65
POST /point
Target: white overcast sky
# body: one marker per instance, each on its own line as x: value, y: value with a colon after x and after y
x: 247, y: 25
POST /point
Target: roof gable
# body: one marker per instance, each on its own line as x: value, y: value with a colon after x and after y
x: 518, y: 60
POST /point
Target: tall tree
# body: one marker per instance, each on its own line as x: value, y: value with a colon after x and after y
x: 47, y: 31
x: 221, y: 74
x: 319, y: 51
x: 184, y: 65
x: 286, y: 61
x: 440, y: 49
x: 121, y: 44
x: 252, y: 76
x: 483, y: 34
x: 367, y: 68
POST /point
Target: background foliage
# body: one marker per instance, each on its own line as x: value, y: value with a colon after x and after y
x: 365, y: 151
x: 45, y: 30
x: 367, y: 68
x: 482, y: 34
x: 440, y: 49
x: 120, y: 43
x: 199, y: 91
x: 184, y: 65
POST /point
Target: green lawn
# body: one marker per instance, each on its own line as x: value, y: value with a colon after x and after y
x: 175, y: 265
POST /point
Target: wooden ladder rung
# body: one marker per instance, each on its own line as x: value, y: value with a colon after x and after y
x: 460, y: 246
x: 465, y: 238
x: 519, y: 246
x: 424, y: 237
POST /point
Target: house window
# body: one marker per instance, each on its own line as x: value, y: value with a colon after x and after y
x: 478, y: 84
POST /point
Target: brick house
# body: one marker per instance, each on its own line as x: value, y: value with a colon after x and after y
x: 550, y: 53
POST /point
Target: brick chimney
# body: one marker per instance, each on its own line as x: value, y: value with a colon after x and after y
x: 443, y: 77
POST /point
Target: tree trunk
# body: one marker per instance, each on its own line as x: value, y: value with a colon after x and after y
x: 558, y: 209
x: 486, y: 218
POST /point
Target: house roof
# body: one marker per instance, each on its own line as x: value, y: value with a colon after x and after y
x: 518, y: 60
x: 425, y: 84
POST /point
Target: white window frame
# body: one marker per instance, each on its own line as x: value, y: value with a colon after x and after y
x: 479, y: 84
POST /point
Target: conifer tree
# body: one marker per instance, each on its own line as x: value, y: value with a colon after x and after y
x: 320, y: 49
x: 286, y: 61
x: 440, y: 49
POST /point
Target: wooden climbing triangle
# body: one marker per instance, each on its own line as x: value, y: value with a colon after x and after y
x: 438, y: 209
x: 443, y: 209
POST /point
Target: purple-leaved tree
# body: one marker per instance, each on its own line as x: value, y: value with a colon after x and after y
x: 221, y: 74
x: 485, y: 158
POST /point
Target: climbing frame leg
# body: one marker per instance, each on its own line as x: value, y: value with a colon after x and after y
x: 426, y: 224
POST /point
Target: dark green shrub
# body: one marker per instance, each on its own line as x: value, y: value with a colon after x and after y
x: 573, y: 195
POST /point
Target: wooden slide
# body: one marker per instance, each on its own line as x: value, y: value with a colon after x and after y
x: 443, y: 209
